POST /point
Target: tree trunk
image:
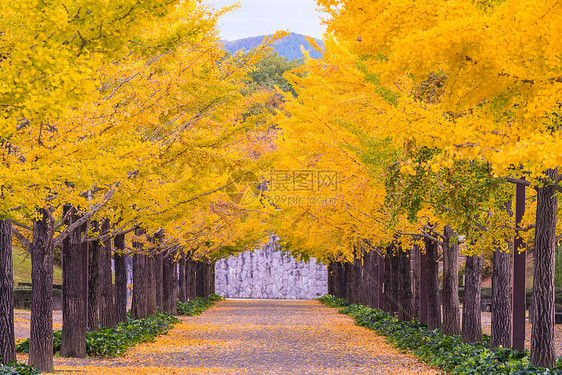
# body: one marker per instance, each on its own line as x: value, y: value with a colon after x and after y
x: 388, y: 275
x: 7, y: 335
x: 351, y: 282
x: 212, y: 277
x: 330, y: 278
x: 432, y: 267
x: 159, y: 280
x: 139, y: 306
x: 93, y: 282
x: 106, y: 306
x: 182, y: 279
x: 191, y: 279
x: 451, y: 309
x: 170, y: 284
x: 471, y: 313
x: 404, y: 285
x: 372, y: 271
x: 415, y: 265
x: 73, y: 304
x: 152, y: 306
x: 501, y: 299
x: 200, y: 278
x: 120, y: 279
x: 542, y: 332
x: 41, y: 331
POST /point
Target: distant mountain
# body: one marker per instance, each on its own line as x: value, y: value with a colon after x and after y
x: 288, y: 47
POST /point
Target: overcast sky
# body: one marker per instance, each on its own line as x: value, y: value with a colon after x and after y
x: 263, y: 17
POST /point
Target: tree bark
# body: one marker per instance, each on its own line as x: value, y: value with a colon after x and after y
x: 73, y: 304
x: 7, y: 335
x: 170, y: 274
x: 451, y: 309
x: 120, y: 279
x: 41, y: 331
x: 200, y: 279
x: 139, y: 306
x: 415, y: 259
x: 404, y: 285
x: 191, y: 278
x: 152, y: 306
x: 501, y: 299
x: 182, y: 279
x: 159, y: 279
x: 93, y: 282
x: 106, y: 307
x: 542, y: 332
x: 432, y: 267
x: 471, y: 313
x: 330, y: 278
x: 388, y: 284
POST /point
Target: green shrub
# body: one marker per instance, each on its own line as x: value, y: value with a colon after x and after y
x: 15, y: 368
x: 113, y: 342
x: 197, y: 305
x: 332, y: 301
x: 437, y: 349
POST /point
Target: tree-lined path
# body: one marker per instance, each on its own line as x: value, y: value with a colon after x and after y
x: 261, y: 337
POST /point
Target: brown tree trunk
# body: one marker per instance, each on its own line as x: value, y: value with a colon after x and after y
x: 152, y: 305
x: 212, y: 277
x: 432, y: 268
x: 7, y: 335
x: 542, y: 332
x: 106, y: 306
x: 41, y: 331
x: 471, y: 314
x: 351, y: 283
x: 404, y: 285
x: 139, y: 306
x: 170, y: 274
x: 120, y: 279
x: 159, y: 280
x: 93, y: 282
x: 451, y: 309
x: 388, y: 282
x: 200, y: 279
x: 182, y: 296
x: 73, y: 304
x: 191, y: 278
x: 501, y: 299
x: 330, y: 278
x: 415, y: 265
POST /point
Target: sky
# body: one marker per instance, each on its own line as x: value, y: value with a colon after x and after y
x: 264, y: 17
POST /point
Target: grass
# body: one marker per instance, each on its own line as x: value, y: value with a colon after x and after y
x: 22, y: 267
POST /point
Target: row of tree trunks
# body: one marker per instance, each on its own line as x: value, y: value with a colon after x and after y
x: 356, y: 282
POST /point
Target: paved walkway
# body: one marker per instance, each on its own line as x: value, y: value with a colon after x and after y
x: 260, y: 337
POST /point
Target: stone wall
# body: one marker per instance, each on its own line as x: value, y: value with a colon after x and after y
x: 270, y: 273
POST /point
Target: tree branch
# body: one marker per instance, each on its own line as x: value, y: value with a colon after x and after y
x: 21, y: 238
x: 518, y: 181
x: 98, y: 206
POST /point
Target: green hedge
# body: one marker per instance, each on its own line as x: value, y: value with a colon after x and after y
x: 447, y: 352
x: 113, y: 342
x: 197, y: 305
x: 14, y: 368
